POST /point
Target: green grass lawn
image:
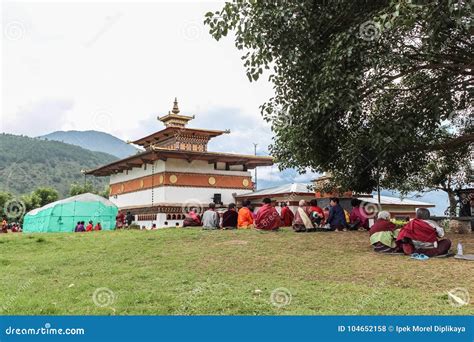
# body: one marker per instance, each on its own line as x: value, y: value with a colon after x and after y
x: 191, y: 271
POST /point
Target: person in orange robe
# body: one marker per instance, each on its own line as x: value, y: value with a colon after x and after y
x: 267, y: 216
x: 89, y: 227
x: 286, y: 215
x: 245, y: 218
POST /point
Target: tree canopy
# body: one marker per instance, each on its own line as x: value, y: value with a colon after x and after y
x: 366, y: 90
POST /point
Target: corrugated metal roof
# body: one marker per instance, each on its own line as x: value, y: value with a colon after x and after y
x: 387, y: 200
x: 281, y: 189
x: 303, y: 188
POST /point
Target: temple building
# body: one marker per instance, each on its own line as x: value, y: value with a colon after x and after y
x: 175, y: 171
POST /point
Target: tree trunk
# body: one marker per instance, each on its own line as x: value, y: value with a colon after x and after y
x: 452, y: 203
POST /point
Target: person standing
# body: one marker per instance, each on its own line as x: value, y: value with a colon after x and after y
x: 129, y: 218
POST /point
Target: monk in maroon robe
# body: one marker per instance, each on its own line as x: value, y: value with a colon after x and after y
x: 286, y: 215
x: 267, y: 216
x: 421, y: 235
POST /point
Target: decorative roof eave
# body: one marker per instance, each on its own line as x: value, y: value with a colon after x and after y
x: 162, y: 154
x: 170, y: 131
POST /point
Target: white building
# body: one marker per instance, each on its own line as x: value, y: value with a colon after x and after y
x: 176, y: 172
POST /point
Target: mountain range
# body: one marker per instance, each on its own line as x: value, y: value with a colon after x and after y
x: 93, y: 141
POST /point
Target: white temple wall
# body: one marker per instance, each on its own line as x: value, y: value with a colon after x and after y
x: 175, y: 195
x: 137, y: 172
x: 176, y: 165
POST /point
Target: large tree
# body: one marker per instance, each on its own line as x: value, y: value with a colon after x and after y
x: 363, y: 89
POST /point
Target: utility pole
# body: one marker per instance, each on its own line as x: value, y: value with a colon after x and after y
x: 255, y: 152
x: 85, y: 175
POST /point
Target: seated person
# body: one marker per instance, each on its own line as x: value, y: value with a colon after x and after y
x: 286, y: 214
x: 4, y: 226
x: 421, y: 235
x: 80, y: 227
x: 89, y: 227
x: 267, y: 216
x: 302, y: 222
x: 229, y: 218
x: 192, y: 219
x: 210, y: 218
x: 383, y: 234
x: 245, y: 216
x: 316, y: 214
x: 358, y: 218
x: 337, y: 218
x: 98, y: 226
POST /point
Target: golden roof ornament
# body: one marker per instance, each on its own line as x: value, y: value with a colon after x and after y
x: 174, y: 119
x: 175, y: 106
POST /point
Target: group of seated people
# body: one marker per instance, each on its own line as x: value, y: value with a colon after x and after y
x: 308, y: 217
x: 419, y: 236
x: 267, y: 217
x: 81, y: 227
x: 14, y: 227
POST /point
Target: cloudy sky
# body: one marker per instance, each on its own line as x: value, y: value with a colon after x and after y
x: 115, y: 67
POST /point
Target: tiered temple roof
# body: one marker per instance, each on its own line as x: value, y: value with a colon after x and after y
x: 179, y: 142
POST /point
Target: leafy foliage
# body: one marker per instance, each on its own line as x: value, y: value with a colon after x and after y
x: 78, y: 189
x: 27, y: 164
x: 363, y: 90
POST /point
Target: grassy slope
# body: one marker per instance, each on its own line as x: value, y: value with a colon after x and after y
x: 180, y: 271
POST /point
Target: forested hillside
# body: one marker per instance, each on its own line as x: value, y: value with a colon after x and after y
x: 28, y: 163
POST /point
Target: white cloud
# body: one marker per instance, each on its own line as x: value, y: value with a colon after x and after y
x: 127, y: 62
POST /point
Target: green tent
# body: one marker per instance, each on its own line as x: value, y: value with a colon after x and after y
x: 63, y: 215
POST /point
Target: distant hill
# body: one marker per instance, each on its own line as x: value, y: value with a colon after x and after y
x: 94, y: 141
x: 28, y: 163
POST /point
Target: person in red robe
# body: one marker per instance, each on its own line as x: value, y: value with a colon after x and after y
x: 98, y: 226
x: 120, y: 220
x: 267, y: 216
x: 358, y: 218
x: 89, y: 227
x: 421, y: 235
x: 287, y: 215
